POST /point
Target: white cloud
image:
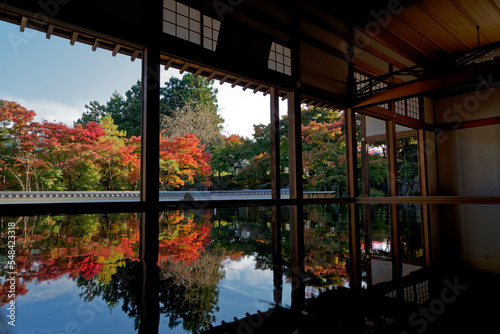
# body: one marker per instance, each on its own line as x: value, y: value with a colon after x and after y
x: 44, y: 291
x: 49, y: 110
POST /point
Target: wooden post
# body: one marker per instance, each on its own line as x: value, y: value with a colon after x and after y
x: 275, y: 145
x: 392, y: 180
x: 352, y: 191
x: 295, y: 146
x: 295, y: 164
x: 424, y: 191
x: 365, y: 177
x: 392, y: 168
x: 150, y: 160
x: 150, y: 139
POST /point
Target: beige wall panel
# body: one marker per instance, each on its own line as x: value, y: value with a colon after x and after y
x: 472, y: 106
x: 325, y: 72
x: 480, y: 231
x: 469, y: 161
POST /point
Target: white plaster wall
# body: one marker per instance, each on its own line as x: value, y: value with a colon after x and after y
x: 469, y: 165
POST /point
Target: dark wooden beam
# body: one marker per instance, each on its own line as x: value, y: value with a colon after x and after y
x: 476, y: 123
x: 400, y: 134
x: 430, y: 200
x: 457, y: 78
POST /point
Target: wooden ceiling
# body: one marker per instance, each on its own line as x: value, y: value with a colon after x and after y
x: 424, y: 32
x: 431, y: 29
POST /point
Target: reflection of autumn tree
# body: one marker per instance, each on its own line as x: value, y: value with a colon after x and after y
x: 189, y: 274
x: 90, y: 246
x: 325, y: 259
x: 190, y: 292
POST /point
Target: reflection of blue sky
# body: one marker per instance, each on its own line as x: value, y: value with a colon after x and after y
x: 55, y: 307
x: 246, y: 289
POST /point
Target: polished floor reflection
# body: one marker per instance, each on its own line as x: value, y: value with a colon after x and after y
x: 222, y: 270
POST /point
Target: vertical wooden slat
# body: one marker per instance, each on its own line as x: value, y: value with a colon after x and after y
x: 424, y: 191
x: 392, y: 174
x: 365, y: 166
x: 352, y: 191
x: 367, y: 228
x: 351, y: 152
x: 392, y: 180
x: 275, y: 145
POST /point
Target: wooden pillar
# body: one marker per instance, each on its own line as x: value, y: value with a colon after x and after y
x: 365, y: 177
x: 295, y: 146
x: 150, y: 140
x: 392, y: 168
x: 295, y: 164
x: 352, y: 191
x: 392, y: 179
x: 150, y: 159
x: 275, y: 145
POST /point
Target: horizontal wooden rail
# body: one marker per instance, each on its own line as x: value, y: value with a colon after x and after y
x: 430, y: 200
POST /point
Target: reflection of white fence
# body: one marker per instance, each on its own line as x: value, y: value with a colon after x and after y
x: 43, y: 196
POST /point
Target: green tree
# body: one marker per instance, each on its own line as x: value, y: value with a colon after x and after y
x: 189, y: 106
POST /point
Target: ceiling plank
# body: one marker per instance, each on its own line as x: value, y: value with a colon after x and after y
x: 471, y: 19
x: 306, y: 15
x: 424, y: 9
x: 406, y: 40
x: 409, y: 27
x: 396, y: 44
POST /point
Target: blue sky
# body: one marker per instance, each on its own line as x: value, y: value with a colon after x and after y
x: 56, y: 80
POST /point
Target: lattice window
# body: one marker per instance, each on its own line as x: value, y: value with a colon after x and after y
x: 408, y: 107
x: 280, y: 59
x: 185, y: 22
x: 211, y: 29
x: 413, y: 108
x: 400, y: 107
x: 361, y: 77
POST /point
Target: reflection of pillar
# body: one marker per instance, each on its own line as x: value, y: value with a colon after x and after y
x: 275, y: 145
x: 365, y: 177
x: 297, y: 255
x: 149, y: 306
x: 277, y: 260
x: 392, y: 179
